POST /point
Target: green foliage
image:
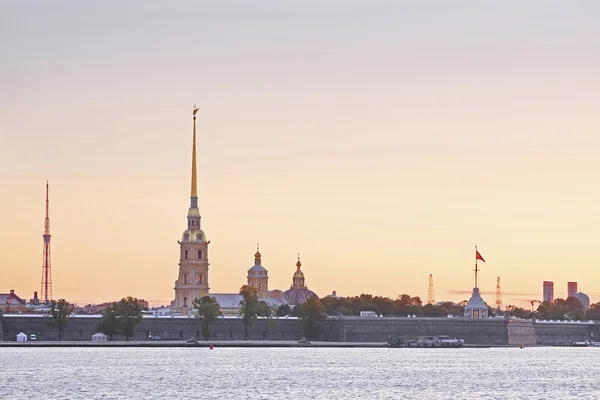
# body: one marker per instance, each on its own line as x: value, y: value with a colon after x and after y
x: 403, y: 305
x: 343, y: 311
x: 60, y: 314
x: 594, y: 312
x: 561, y: 309
x: 249, y: 307
x: 129, y: 313
x: 109, y: 322
x: 268, y: 312
x: 208, y: 309
x: 519, y: 312
x: 312, y: 317
x: 284, y: 310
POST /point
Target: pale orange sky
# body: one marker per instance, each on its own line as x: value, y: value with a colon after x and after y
x: 381, y: 140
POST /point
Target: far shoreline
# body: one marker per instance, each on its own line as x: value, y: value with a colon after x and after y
x: 221, y: 344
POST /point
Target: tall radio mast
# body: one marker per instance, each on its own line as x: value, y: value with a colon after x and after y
x: 46, y: 272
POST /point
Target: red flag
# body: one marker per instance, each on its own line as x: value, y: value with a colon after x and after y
x: 478, y: 256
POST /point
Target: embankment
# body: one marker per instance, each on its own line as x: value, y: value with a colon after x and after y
x: 346, y: 329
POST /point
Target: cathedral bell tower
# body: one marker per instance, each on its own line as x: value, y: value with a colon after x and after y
x: 192, y: 281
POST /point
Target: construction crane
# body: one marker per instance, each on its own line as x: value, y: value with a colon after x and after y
x: 533, y: 303
x: 498, y: 295
x: 430, y: 298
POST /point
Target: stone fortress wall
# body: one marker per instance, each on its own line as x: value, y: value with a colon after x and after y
x: 347, y: 329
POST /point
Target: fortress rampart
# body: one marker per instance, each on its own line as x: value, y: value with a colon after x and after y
x: 346, y: 329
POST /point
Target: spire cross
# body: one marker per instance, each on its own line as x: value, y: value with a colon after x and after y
x: 194, y: 191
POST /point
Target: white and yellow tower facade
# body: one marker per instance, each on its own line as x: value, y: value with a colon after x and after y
x: 192, y: 281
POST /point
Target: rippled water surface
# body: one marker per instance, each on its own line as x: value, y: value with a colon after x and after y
x: 298, y: 373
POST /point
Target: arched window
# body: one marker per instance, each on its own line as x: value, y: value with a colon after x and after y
x: 185, y: 279
x: 260, y: 286
x: 185, y: 254
x: 199, y: 254
x: 185, y: 301
x: 199, y: 279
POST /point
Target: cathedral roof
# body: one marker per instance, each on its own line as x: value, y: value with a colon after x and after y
x: 476, y: 302
x: 295, y: 296
x: 257, y: 270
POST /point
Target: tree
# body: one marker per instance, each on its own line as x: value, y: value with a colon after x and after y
x: 518, y: 312
x: 594, y: 312
x: 342, y: 310
x: 109, y: 322
x: 249, y: 307
x: 284, y: 310
x: 268, y: 312
x: 129, y: 311
x: 312, y: 317
x: 208, y: 309
x: 60, y: 314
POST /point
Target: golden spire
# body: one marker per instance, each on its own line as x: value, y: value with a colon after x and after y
x: 298, y: 264
x: 194, y: 184
x: 257, y: 255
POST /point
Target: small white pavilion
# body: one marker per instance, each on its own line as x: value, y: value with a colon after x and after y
x: 99, y: 337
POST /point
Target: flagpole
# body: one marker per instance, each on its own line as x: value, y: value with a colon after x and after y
x: 475, y: 266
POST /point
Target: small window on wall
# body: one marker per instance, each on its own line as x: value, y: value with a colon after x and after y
x: 185, y: 254
x: 260, y: 286
x: 180, y: 334
x: 199, y: 254
x: 197, y: 334
x: 230, y: 334
x: 475, y: 313
x: 199, y: 279
x: 185, y: 301
x: 185, y: 276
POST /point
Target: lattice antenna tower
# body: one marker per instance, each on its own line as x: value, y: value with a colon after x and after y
x: 498, y: 295
x: 46, y: 271
x: 430, y: 298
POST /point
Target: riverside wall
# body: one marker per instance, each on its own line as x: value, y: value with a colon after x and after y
x: 561, y: 333
x: 346, y: 329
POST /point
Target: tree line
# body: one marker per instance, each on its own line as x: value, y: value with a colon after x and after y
x: 570, y: 309
x: 119, y: 318
x: 122, y: 317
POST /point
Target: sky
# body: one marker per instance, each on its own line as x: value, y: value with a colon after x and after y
x: 382, y: 140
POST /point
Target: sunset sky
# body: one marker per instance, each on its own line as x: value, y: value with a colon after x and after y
x: 382, y: 140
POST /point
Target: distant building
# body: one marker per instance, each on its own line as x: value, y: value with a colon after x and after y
x: 584, y: 299
x: 298, y: 293
x: 476, y: 307
x: 571, y: 289
x: 192, y: 279
x: 10, y: 302
x: 548, y: 291
x: 258, y: 277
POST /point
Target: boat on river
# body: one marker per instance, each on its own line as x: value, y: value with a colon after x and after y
x: 439, y: 341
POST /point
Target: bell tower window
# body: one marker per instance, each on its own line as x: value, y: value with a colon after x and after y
x: 185, y: 254
x: 199, y: 254
x: 185, y: 279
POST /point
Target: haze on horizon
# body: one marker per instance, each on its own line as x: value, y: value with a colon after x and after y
x: 382, y: 140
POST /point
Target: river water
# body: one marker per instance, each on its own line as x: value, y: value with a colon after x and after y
x: 299, y: 373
